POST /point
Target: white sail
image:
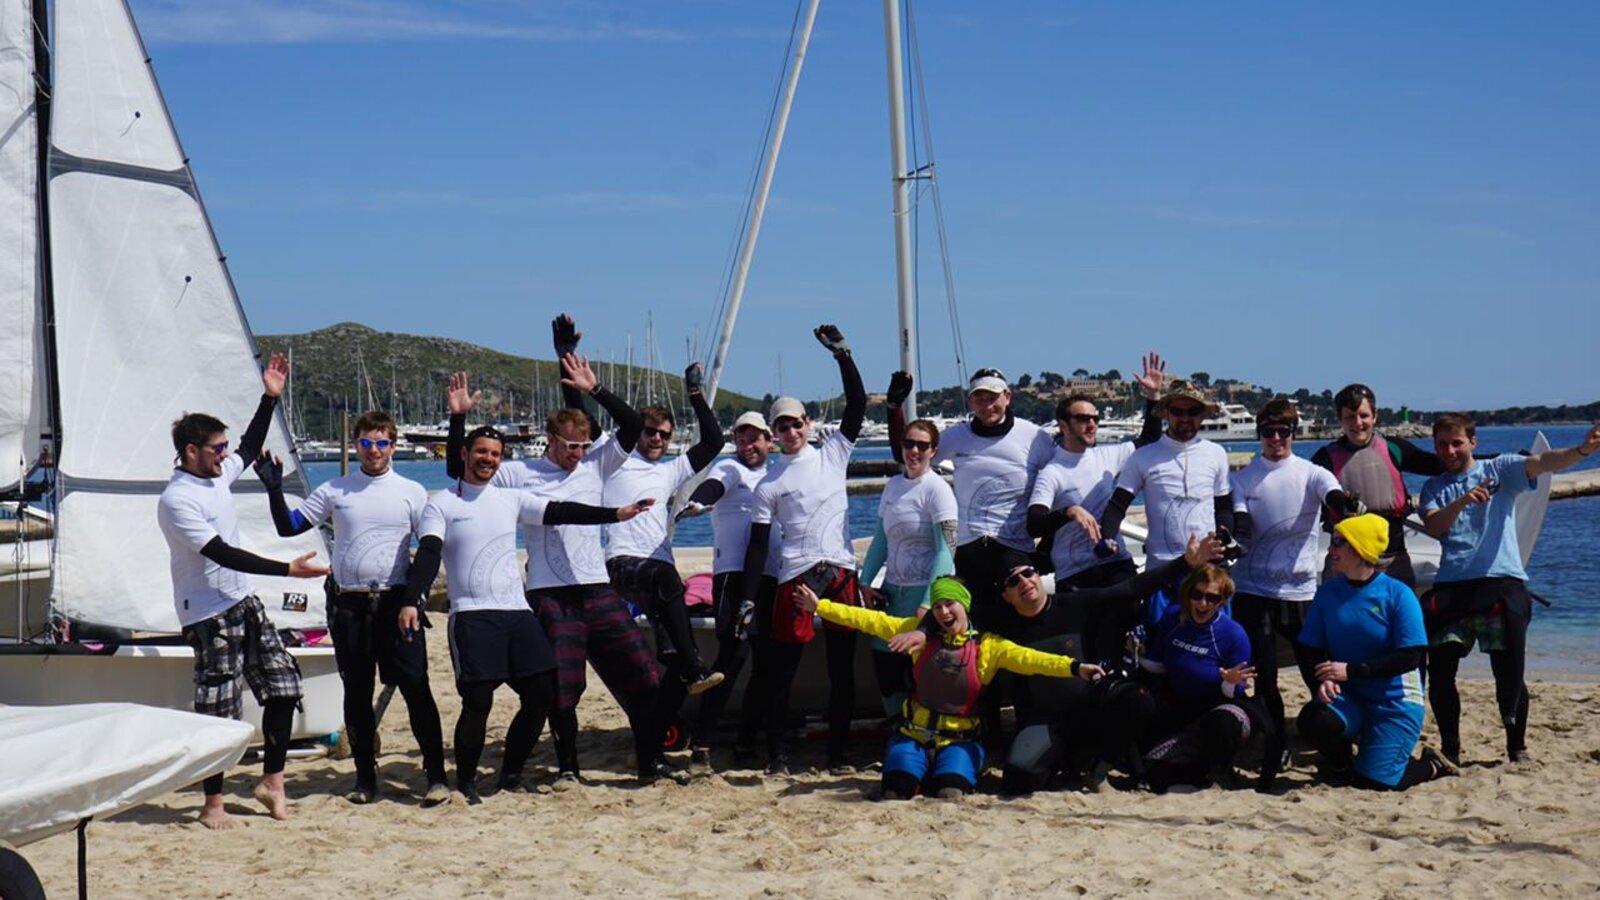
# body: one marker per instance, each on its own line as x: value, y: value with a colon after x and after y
x: 148, y: 327
x: 22, y: 402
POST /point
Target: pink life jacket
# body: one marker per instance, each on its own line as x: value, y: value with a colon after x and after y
x: 1373, y: 475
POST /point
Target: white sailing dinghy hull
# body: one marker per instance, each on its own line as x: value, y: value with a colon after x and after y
x: 65, y: 764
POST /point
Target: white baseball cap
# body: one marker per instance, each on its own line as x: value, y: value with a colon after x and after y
x: 786, y: 407
x: 992, y: 380
x: 754, y: 420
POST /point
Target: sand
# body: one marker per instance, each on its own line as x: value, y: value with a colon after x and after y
x: 1500, y: 828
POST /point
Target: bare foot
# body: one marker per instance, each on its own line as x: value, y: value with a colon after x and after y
x: 215, y: 817
x: 275, y: 801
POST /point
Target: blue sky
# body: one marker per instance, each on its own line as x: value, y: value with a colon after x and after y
x: 1298, y: 195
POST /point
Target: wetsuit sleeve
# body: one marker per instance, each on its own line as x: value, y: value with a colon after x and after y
x: 944, y: 548
x: 867, y: 621
x: 566, y: 512
x: 705, y: 451
x: 1044, y: 521
x: 1151, y: 431
x: 454, y: 442
x: 708, y: 493
x: 1395, y: 662
x: 1138, y: 587
x: 877, y: 554
x: 1337, y: 504
x: 1323, y: 458
x: 255, y: 434
x: 855, y: 397
x: 287, y: 522
x: 996, y: 653
x: 629, y: 423
x: 1414, y: 459
x: 230, y: 557
x: 1222, y: 508
x: 424, y: 569
x: 897, y: 431
x: 1116, y: 510
x: 755, y: 559
x: 1243, y: 530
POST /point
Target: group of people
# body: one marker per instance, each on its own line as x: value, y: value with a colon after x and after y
x: 1163, y: 674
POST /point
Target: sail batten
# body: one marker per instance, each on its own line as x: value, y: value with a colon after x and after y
x: 148, y: 328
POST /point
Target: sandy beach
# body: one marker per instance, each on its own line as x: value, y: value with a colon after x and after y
x: 1529, y: 828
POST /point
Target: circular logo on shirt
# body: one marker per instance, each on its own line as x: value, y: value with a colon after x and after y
x: 573, y: 550
x: 1184, y: 516
x: 1275, y: 553
x: 826, y: 533
x: 493, y: 572
x: 911, y: 552
x: 372, y: 555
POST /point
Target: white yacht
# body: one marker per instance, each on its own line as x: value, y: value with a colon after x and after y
x: 1235, y: 423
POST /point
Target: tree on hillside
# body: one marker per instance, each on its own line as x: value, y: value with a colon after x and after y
x: 1025, y: 381
x: 1051, y: 380
x: 1112, y: 375
x: 1080, y: 373
x: 1201, y: 378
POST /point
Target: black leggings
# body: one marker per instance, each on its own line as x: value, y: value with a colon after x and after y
x: 1324, y: 729
x: 642, y: 709
x: 538, y: 695
x: 1510, y: 690
x: 655, y: 587
x: 1200, y: 746
x: 361, y: 722
x: 732, y: 653
x: 780, y: 661
x: 277, y: 720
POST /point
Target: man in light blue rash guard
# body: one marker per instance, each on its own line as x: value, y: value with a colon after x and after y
x: 1481, y: 592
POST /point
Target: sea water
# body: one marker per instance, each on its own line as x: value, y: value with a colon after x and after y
x: 1565, y: 568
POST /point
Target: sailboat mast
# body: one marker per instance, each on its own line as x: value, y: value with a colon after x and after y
x: 768, y: 168
x: 43, y: 66
x: 901, y: 180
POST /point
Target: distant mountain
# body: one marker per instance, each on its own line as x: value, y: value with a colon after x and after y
x: 350, y: 367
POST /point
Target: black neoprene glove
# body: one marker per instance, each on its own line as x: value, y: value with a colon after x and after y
x: 269, y: 469
x: 831, y: 337
x: 694, y: 378
x: 564, y: 331
x: 899, y: 389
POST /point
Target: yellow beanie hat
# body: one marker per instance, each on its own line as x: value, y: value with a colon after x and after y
x: 1367, y: 533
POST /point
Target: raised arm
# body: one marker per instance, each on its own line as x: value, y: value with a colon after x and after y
x: 230, y: 557
x: 566, y: 512
x: 1150, y: 382
x: 564, y: 338
x: 578, y: 375
x: 895, y: 399
x: 460, y: 401
x: 710, y: 444
x: 269, y: 469
x: 855, y: 393
x: 1556, y: 460
x: 273, y: 379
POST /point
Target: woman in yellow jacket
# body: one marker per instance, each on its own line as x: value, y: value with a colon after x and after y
x: 937, y: 743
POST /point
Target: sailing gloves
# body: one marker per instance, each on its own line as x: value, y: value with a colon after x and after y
x: 269, y: 469
x: 694, y: 378
x: 831, y: 337
x: 899, y: 389
x: 566, y: 335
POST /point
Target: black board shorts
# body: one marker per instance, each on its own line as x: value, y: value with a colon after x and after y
x: 498, y: 645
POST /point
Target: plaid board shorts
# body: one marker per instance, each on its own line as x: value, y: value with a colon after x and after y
x: 239, y: 642
x: 591, y: 624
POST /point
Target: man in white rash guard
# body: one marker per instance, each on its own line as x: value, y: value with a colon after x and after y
x: 1184, y: 480
x: 1278, y: 501
x: 495, y: 638
x: 375, y: 512
x: 224, y: 622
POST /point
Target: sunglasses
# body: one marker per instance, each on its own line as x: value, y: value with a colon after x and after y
x: 1187, y: 412
x: 1085, y: 418
x: 577, y: 446
x: 909, y: 444
x: 218, y: 448
x: 1016, y: 577
x: 380, y: 443
x: 1278, y: 432
x: 1211, y: 597
x: 664, y: 434
x: 789, y: 425
x: 1338, y: 541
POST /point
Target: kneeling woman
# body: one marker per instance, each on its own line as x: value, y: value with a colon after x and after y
x: 1200, y: 661
x: 1368, y: 626
x: 936, y: 747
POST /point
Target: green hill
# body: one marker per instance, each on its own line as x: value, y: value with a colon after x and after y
x: 350, y: 367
